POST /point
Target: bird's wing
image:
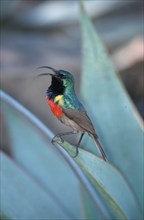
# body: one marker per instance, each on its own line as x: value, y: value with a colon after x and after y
x: 81, y: 118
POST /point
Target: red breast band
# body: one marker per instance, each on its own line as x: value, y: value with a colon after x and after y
x: 56, y: 110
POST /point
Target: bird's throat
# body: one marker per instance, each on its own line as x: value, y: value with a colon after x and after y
x: 56, y: 88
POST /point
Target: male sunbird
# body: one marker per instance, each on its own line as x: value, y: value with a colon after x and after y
x: 64, y: 104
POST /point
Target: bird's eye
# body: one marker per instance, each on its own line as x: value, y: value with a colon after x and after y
x: 62, y: 76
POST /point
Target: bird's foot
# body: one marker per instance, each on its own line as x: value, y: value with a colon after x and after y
x: 77, y: 152
x: 57, y: 138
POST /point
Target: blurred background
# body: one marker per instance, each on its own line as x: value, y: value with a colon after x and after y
x: 36, y: 33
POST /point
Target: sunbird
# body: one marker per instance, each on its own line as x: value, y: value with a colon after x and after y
x: 66, y: 107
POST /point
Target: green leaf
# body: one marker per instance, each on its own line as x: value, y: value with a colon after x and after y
x: 23, y: 198
x: 36, y: 155
x: 108, y: 181
x: 32, y: 151
x: 116, y: 121
x: 90, y: 211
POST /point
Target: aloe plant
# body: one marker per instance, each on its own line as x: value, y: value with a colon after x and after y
x: 119, y: 125
x: 42, y: 181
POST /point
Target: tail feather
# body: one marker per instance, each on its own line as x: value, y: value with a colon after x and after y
x: 99, y: 147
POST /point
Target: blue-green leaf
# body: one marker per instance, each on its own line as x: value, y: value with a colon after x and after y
x: 23, y: 198
x: 32, y: 150
x: 108, y: 181
x: 36, y: 155
x: 90, y: 211
x: 116, y: 121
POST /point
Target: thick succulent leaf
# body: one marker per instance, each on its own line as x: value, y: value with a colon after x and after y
x: 90, y: 212
x: 116, y: 121
x: 35, y: 154
x: 108, y: 181
x: 32, y: 150
x: 23, y: 198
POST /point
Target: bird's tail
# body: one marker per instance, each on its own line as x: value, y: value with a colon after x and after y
x: 99, y: 146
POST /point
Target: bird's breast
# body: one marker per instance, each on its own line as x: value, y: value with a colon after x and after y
x: 55, y: 108
x: 58, y: 99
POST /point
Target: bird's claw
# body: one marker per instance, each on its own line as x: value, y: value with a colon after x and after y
x: 57, y: 137
x: 77, y: 152
x: 75, y: 155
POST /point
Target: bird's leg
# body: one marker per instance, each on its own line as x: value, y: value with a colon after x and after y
x: 62, y: 134
x: 78, y: 144
x: 67, y: 133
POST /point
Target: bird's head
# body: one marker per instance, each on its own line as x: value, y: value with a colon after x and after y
x: 59, y: 77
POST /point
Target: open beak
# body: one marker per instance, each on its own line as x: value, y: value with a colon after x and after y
x: 54, y: 74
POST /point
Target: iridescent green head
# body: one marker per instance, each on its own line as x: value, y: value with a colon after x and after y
x: 60, y: 78
x: 65, y: 77
x: 61, y: 89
